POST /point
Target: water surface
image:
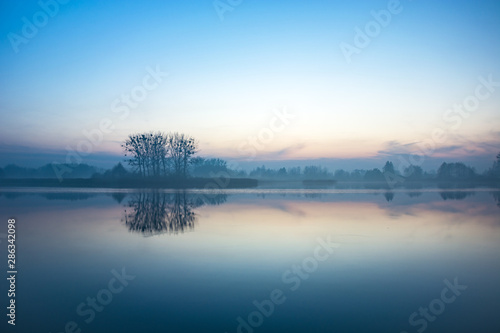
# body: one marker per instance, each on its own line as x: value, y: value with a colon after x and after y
x: 198, y: 261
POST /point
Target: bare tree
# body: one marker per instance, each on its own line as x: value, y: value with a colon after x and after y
x: 181, y: 148
x: 152, y: 154
x: 148, y: 153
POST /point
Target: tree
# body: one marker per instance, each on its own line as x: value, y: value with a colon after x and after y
x: 414, y: 172
x: 282, y: 172
x: 294, y: 172
x: 374, y: 175
x: 153, y: 154
x: 316, y: 172
x: 181, y: 148
x: 148, y: 153
x: 494, y: 171
x: 455, y: 171
x: 207, y: 167
x: 357, y: 175
x: 341, y: 175
x: 388, y: 168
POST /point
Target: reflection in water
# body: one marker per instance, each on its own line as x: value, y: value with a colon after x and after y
x: 496, y: 196
x: 119, y: 196
x: 156, y: 212
x: 455, y: 195
x: 389, y: 196
x: 69, y: 196
x: 414, y: 194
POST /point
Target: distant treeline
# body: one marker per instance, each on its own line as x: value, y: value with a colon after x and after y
x: 200, y: 167
x: 447, y: 172
x: 49, y: 171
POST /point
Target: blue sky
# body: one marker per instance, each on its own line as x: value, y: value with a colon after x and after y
x: 226, y: 78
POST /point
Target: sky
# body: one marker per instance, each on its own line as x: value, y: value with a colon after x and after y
x: 345, y: 83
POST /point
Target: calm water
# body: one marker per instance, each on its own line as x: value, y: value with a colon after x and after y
x: 312, y: 261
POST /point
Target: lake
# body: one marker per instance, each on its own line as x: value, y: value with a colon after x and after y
x: 254, y: 260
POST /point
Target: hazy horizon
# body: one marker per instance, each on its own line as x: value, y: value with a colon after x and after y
x: 107, y: 161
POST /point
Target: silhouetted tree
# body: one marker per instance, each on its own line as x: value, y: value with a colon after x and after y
x: 455, y: 171
x: 294, y: 172
x: 413, y: 172
x: 341, y: 175
x: 282, y: 173
x: 374, y: 175
x: 152, y: 154
x: 181, y: 149
x: 316, y: 172
x: 494, y: 171
x: 118, y: 171
x: 208, y: 167
x: 148, y: 153
x: 357, y: 175
x: 388, y: 168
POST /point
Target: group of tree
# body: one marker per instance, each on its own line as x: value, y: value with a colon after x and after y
x: 494, y: 171
x: 456, y: 171
x: 388, y: 172
x: 156, y: 154
x: 294, y: 173
x: 213, y: 167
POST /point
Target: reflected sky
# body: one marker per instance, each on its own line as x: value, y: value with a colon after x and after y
x: 209, y: 256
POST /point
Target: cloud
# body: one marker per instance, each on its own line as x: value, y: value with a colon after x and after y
x: 462, y: 147
x: 394, y: 147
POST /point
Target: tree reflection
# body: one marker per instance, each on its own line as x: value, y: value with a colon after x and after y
x: 455, y: 195
x: 496, y: 196
x: 389, y: 196
x: 153, y: 213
